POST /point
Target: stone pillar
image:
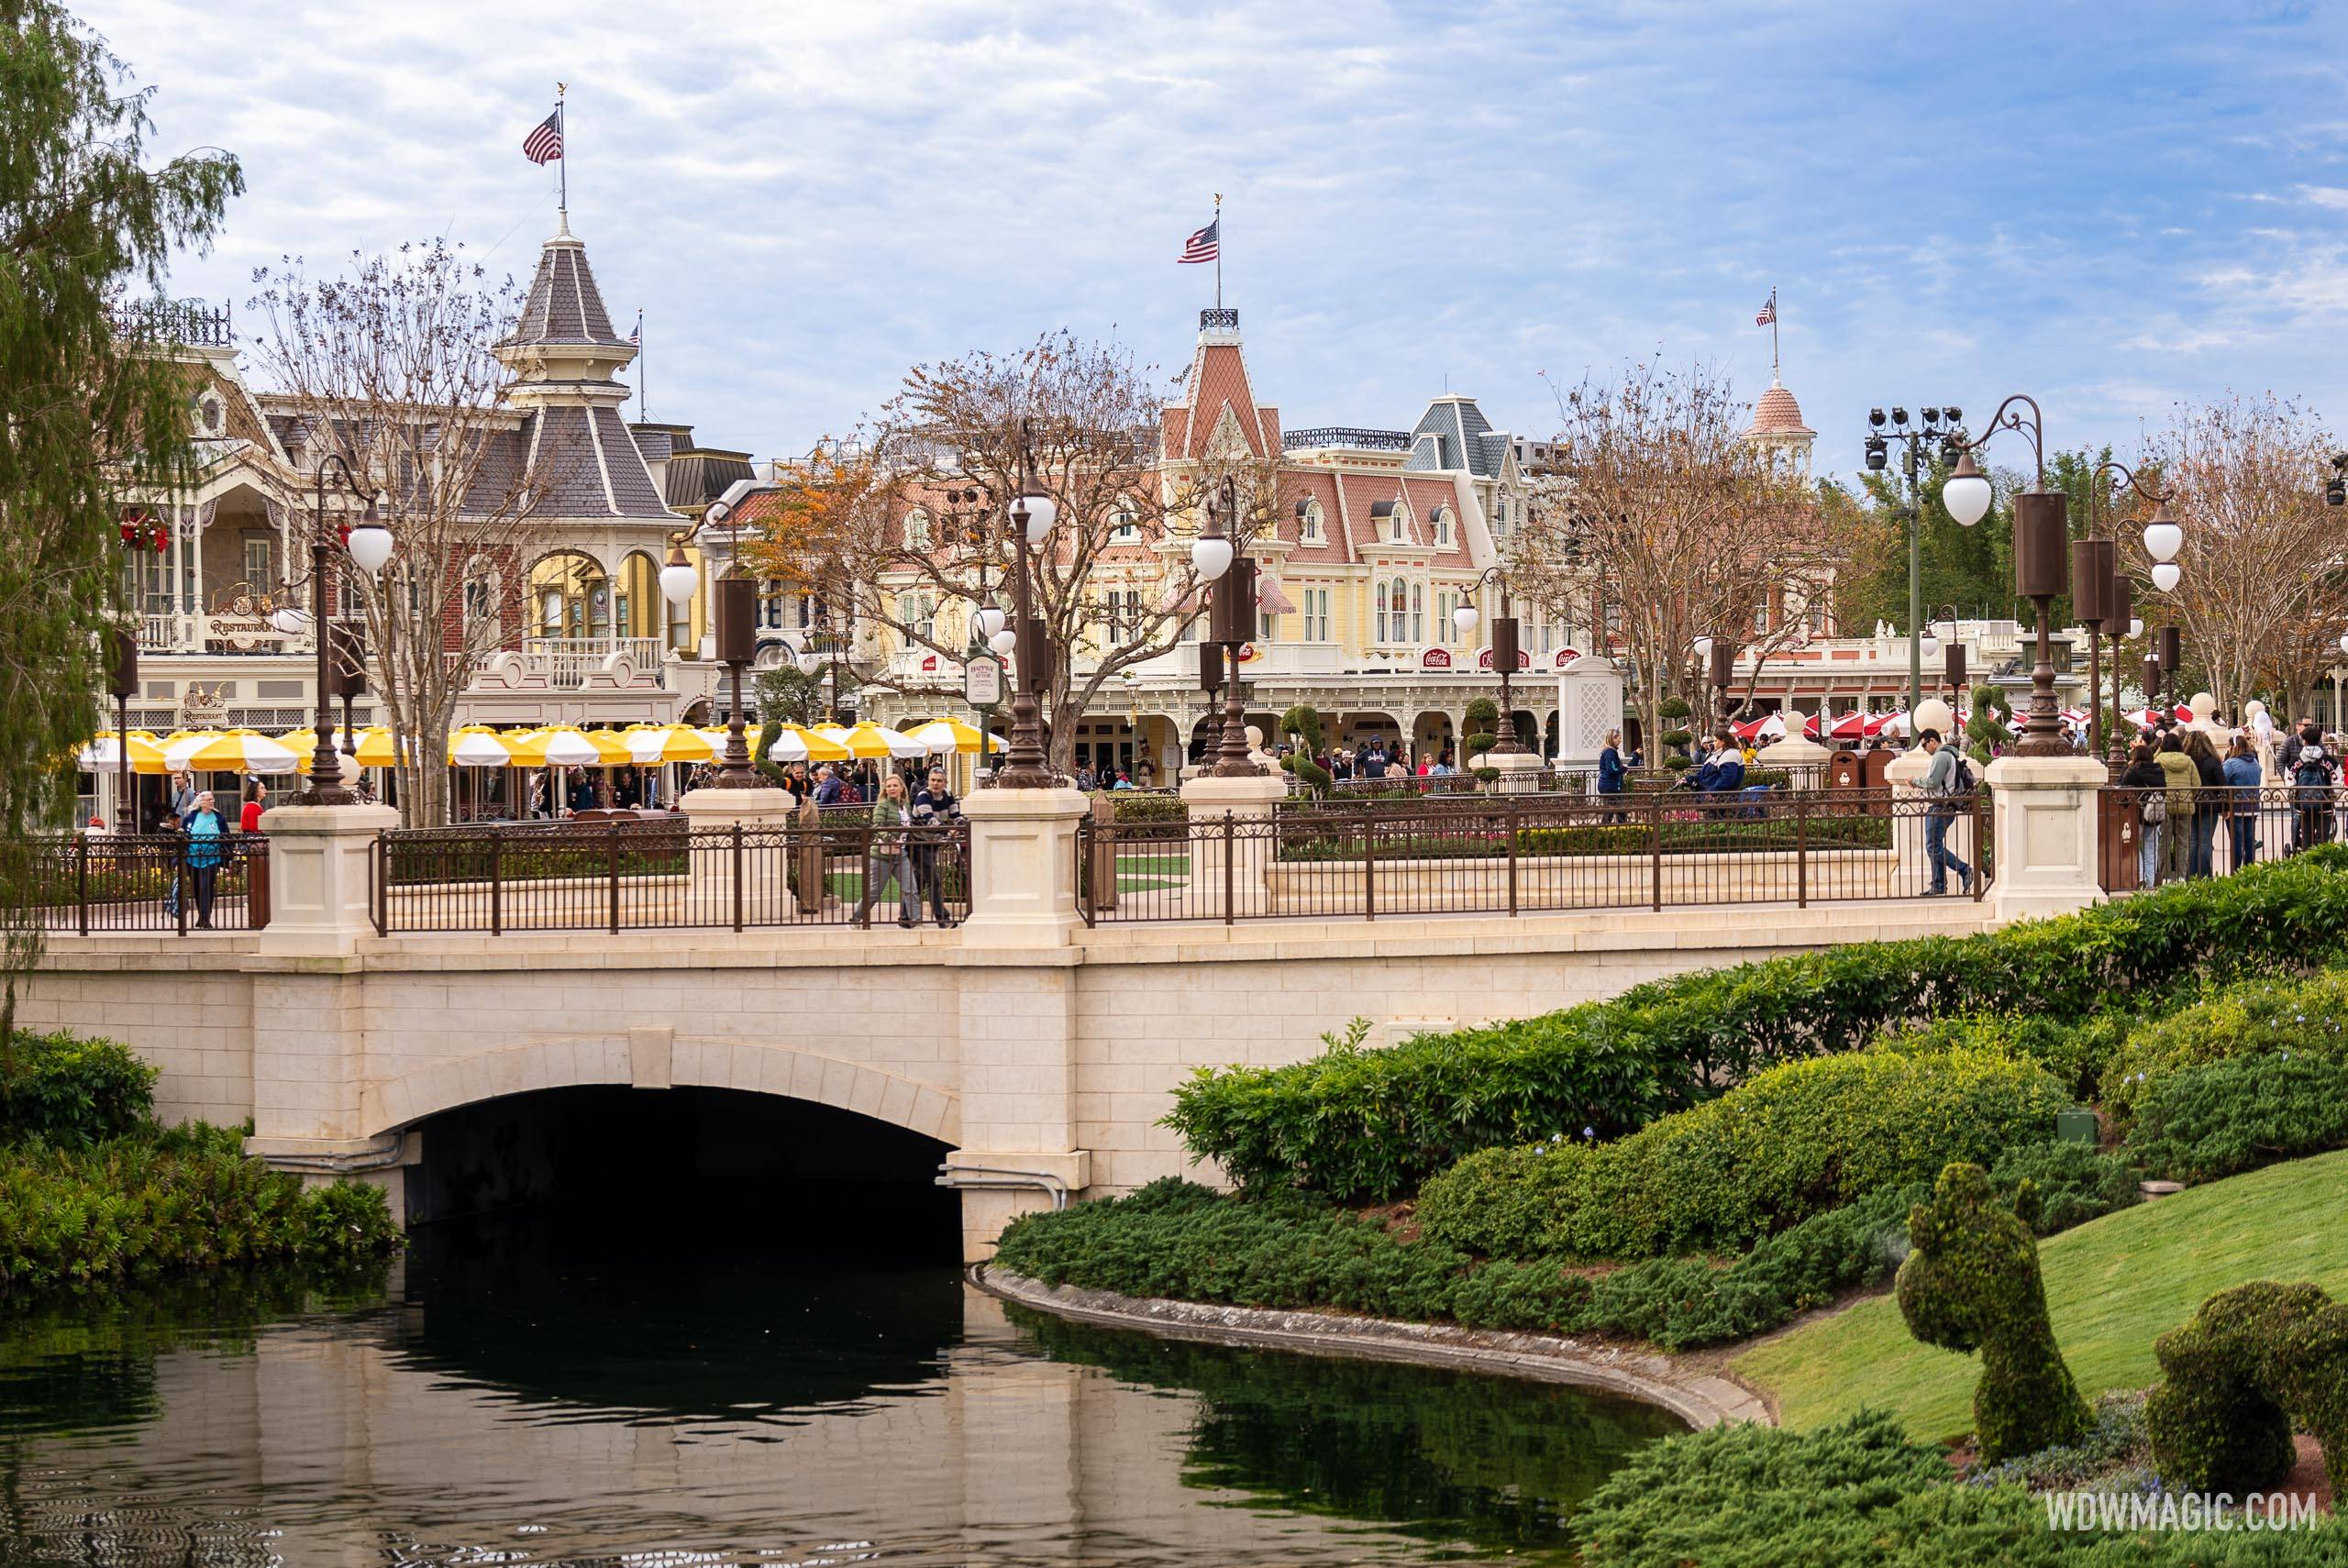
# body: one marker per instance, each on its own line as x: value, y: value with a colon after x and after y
x: 321, y: 877
x: 2045, y: 831
x: 1520, y: 771
x: 1248, y: 800
x: 1589, y: 704
x: 765, y: 861
x: 1023, y: 866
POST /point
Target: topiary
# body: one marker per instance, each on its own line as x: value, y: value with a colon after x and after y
x: 1972, y: 1282
x: 2253, y: 1360
x: 1984, y: 731
x: 68, y: 1090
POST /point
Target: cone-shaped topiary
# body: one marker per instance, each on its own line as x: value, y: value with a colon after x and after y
x: 1972, y: 1282
x: 2253, y: 1360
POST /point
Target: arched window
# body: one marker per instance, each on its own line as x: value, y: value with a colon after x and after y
x: 1310, y: 532
x: 1418, y: 613
x: 1382, y: 614
x: 916, y: 529
x: 1443, y: 524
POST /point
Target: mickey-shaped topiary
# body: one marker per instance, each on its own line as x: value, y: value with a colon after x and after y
x: 1972, y: 1282
x: 2253, y: 1360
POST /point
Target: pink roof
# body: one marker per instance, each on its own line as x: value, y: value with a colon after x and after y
x: 1777, y: 414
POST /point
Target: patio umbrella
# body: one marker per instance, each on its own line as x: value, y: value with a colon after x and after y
x: 104, y: 754
x: 478, y: 745
x: 952, y: 735
x: 236, y: 751
x: 870, y: 740
x: 716, y: 736
x: 649, y: 746
x: 561, y: 746
x: 795, y: 743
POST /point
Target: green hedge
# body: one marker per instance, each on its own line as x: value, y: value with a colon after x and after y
x: 1290, y: 1250
x: 1373, y: 1125
x: 2266, y: 1018
x: 72, y: 1091
x: 1480, y: 837
x: 1792, y: 1142
x: 2238, y: 1114
x: 2073, y: 1050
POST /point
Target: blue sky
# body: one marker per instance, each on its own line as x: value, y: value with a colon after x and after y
x: 2113, y: 208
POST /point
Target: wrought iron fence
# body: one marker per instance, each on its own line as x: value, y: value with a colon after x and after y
x: 1529, y: 853
x: 97, y: 882
x: 664, y: 875
x: 2149, y: 836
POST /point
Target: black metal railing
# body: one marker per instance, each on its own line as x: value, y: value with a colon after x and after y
x: 86, y: 883
x: 1223, y: 316
x: 1346, y: 436
x: 193, y: 322
x: 2148, y: 836
x: 662, y: 874
x: 1529, y: 853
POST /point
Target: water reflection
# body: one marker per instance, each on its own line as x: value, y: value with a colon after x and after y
x: 530, y: 1392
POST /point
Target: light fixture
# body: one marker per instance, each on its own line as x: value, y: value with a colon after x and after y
x: 1877, y: 454
x: 1036, y: 513
x: 2343, y: 641
x: 289, y: 619
x: 371, y: 544
x: 2135, y: 626
x: 1966, y: 494
x: 991, y: 621
x: 1703, y: 647
x: 677, y: 578
x: 1463, y: 618
x: 2163, y: 537
x: 1932, y: 646
x: 1211, y: 551
x: 2167, y: 575
x: 1004, y: 641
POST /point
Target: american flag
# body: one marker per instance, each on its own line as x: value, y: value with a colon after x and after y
x: 636, y: 337
x: 544, y: 144
x: 1206, y: 245
x: 1769, y: 315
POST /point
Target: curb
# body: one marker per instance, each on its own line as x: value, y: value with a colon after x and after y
x: 1700, y: 1399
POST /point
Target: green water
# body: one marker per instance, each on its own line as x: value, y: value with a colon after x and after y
x: 539, y: 1392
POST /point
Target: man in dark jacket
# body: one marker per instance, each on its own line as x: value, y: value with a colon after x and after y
x: 934, y: 808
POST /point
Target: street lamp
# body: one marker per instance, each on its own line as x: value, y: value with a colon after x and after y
x: 2040, y: 533
x: 2120, y: 623
x: 1231, y: 622
x: 1033, y: 512
x: 369, y: 546
x: 1943, y: 427
x: 1504, y: 654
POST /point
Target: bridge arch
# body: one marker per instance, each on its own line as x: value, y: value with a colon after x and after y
x: 655, y: 1059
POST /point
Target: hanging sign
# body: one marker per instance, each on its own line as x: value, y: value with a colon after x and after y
x: 982, y: 680
x: 1435, y: 658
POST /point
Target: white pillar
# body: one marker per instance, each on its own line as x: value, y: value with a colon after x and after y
x: 321, y: 877
x: 1023, y: 866
x: 1248, y: 800
x: 2044, y: 834
x: 765, y: 860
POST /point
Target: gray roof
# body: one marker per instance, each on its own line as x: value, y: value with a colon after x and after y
x: 564, y: 306
x: 591, y: 466
x: 700, y: 476
x: 1460, y: 432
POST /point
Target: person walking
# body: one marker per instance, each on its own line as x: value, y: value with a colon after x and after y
x: 2243, y: 777
x: 207, y: 848
x: 2208, y: 802
x: 255, y: 802
x: 1945, y: 778
x: 2183, y: 780
x: 936, y: 809
x: 2311, y: 785
x: 887, y: 857
x: 2145, y: 776
x: 1611, y: 773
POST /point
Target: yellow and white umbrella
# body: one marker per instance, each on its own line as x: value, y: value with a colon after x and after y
x: 870, y: 740
x: 716, y: 736
x: 377, y: 747
x: 953, y: 734
x: 478, y: 745
x: 795, y: 743
x: 559, y: 745
x: 235, y: 751
x: 649, y: 746
x: 104, y: 754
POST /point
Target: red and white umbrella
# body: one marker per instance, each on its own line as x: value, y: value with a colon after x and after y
x: 1768, y: 726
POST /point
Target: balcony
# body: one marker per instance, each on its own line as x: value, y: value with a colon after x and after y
x: 566, y: 663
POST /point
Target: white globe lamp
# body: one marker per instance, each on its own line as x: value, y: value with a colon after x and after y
x: 2167, y: 575
x: 1966, y: 494
x: 371, y: 545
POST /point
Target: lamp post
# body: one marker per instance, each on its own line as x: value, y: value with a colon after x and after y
x: 2120, y: 623
x: 350, y: 674
x: 1231, y: 622
x: 1033, y: 513
x: 1944, y: 428
x: 1210, y: 682
x: 1505, y: 654
x: 370, y: 547
x: 2040, y: 534
x: 123, y: 683
x: 2173, y: 661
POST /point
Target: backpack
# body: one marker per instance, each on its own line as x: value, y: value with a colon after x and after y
x: 2313, y: 771
x: 1960, y: 780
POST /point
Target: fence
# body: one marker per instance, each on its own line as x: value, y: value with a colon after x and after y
x: 2210, y: 831
x: 87, y: 882
x: 663, y: 875
x: 1511, y: 855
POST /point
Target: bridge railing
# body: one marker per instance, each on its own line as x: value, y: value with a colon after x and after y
x: 1531, y: 853
x: 92, y: 883
x: 664, y: 875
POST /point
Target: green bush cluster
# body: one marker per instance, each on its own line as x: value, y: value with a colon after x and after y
x: 1971, y: 1283
x: 2254, y: 1361
x: 2266, y: 1017
x: 2073, y: 1050
x: 1374, y: 1126
x: 1790, y: 1142
x: 2238, y: 1114
x: 165, y: 1199
x: 73, y: 1091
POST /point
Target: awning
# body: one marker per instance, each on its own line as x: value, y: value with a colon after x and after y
x: 1270, y: 599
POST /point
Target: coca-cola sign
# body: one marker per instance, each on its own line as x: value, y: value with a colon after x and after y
x: 1484, y: 659
x: 1435, y: 658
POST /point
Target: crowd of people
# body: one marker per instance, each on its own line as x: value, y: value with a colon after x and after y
x: 2273, y: 792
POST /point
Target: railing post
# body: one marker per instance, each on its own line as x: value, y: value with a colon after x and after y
x: 1981, y: 846
x: 1511, y: 855
x: 865, y: 892
x: 612, y: 870
x: 1655, y: 834
x: 182, y: 890
x: 81, y: 880
x: 1230, y: 881
x: 1802, y: 849
x: 738, y: 869
x: 378, y: 894
x: 1368, y: 863
x: 497, y: 884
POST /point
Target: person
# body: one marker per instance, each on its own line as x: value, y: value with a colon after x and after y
x: 1613, y: 776
x: 2183, y: 780
x: 183, y: 795
x: 827, y: 786
x: 1124, y: 782
x: 1944, y: 782
x: 1442, y: 768
x: 2211, y: 773
x: 1427, y: 765
x: 2242, y: 774
x: 1724, y: 771
x: 888, y: 857
x: 2145, y: 776
x: 249, y: 817
x: 206, y: 850
x: 935, y: 810
x: 1084, y: 777
x: 2312, y: 782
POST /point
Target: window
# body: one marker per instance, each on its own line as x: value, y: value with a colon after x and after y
x: 1126, y: 528
x: 918, y: 612
x: 1382, y: 594
x: 916, y: 529
x: 1442, y: 522
x: 480, y: 605
x: 257, y: 573
x: 1310, y: 532
x: 1316, y: 614
x: 1418, y: 613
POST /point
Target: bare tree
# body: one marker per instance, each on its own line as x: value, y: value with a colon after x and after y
x: 393, y: 368
x: 1687, y: 528
x: 2264, y: 592
x: 904, y: 526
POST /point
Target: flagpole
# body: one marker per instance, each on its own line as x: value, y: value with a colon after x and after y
x: 1218, y: 250
x: 1774, y: 374
x: 640, y: 415
x: 562, y: 140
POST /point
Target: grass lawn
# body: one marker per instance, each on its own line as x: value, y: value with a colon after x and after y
x: 2113, y: 1286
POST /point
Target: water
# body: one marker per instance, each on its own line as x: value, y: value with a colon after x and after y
x: 533, y: 1391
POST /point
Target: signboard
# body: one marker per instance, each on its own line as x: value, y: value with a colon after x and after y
x: 1435, y: 658
x: 1484, y: 659
x: 929, y: 663
x: 1247, y: 653
x: 241, y: 634
x: 982, y: 680
x: 1564, y: 656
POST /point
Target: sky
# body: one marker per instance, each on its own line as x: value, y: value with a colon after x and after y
x: 2111, y: 208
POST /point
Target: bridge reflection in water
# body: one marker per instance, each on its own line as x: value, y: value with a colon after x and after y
x: 606, y: 1384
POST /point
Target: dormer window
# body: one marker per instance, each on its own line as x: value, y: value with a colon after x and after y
x: 916, y: 529
x: 1443, y: 526
x: 209, y: 414
x: 1126, y: 527
x: 1309, y: 524
x: 1389, y: 521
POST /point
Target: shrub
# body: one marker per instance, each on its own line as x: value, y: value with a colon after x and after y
x: 2266, y: 1017
x: 1792, y: 1142
x: 2253, y: 1360
x: 68, y: 1090
x: 1971, y: 1282
x: 1130, y: 806
x: 2074, y: 1051
x: 1374, y: 1127
x: 2236, y: 1115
